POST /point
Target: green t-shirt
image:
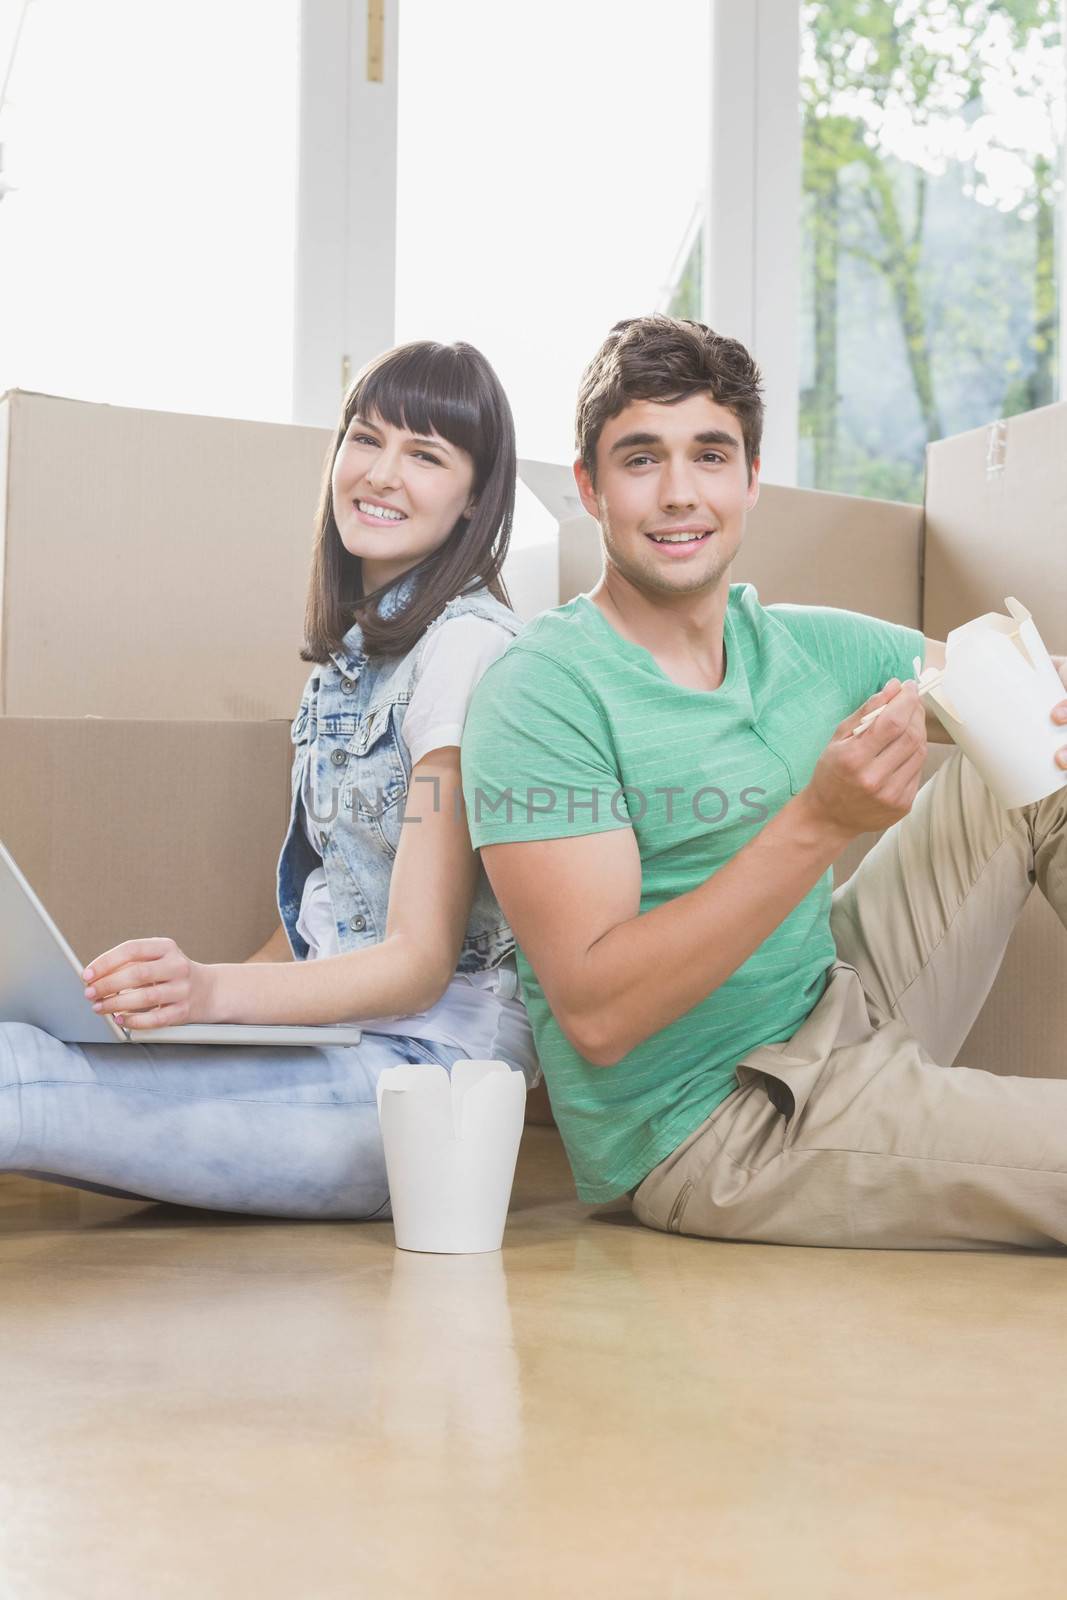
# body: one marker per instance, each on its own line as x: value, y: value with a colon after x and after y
x: 576, y: 730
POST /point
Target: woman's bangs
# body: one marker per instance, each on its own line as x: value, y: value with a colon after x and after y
x: 427, y: 392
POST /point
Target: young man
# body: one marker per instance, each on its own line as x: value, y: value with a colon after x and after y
x: 660, y: 775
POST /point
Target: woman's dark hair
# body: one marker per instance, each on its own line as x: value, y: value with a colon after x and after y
x: 667, y: 358
x: 444, y: 389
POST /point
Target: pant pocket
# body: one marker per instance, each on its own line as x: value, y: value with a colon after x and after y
x: 677, y: 1211
x: 741, y: 1136
x: 774, y: 1087
x: 789, y: 1071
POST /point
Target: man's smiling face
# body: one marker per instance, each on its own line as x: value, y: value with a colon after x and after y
x: 672, y: 493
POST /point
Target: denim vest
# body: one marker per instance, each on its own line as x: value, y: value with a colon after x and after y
x: 349, y: 727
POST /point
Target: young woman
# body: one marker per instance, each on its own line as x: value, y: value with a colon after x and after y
x: 387, y: 918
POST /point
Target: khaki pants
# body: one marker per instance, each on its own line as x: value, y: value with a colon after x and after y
x: 851, y: 1133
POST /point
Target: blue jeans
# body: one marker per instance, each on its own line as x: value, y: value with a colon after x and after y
x: 278, y: 1132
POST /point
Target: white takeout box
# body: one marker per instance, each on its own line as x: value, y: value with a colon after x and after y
x: 995, y: 696
x: 451, y: 1143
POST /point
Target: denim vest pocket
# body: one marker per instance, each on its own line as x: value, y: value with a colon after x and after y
x: 376, y: 793
x: 300, y: 738
x: 299, y: 728
x: 350, y: 756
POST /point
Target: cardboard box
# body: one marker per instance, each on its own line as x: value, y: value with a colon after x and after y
x: 134, y: 829
x: 580, y: 560
x: 577, y: 544
x: 152, y: 565
x: 1020, y: 1029
x: 996, y: 524
x: 816, y: 549
x: 156, y: 564
x: 802, y: 546
x: 530, y: 576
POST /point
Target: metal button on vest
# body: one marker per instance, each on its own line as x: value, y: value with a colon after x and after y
x: 357, y: 924
x: 338, y: 758
x: 347, y: 685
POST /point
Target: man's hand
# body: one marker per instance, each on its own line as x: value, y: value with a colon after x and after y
x: 866, y: 783
x: 149, y: 983
x: 1059, y: 711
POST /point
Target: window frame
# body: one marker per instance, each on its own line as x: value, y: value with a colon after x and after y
x: 345, y: 290
x: 752, y: 267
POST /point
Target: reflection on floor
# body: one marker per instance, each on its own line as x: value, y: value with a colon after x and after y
x: 200, y: 1406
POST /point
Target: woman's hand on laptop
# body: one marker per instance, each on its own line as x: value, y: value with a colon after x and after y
x: 149, y: 983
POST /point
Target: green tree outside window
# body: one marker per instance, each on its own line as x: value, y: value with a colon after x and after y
x: 932, y: 132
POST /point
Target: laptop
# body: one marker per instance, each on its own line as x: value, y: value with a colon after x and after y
x: 41, y: 983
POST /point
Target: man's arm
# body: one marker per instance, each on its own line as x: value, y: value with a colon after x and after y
x: 614, y: 977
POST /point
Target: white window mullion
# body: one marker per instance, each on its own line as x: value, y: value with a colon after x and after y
x: 752, y: 242
x: 346, y: 201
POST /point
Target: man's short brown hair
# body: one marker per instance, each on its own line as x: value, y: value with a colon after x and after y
x: 667, y: 358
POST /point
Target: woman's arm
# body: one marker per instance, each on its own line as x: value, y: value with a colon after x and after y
x: 430, y: 895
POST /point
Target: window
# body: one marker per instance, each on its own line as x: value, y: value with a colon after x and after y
x: 146, y: 254
x: 549, y: 160
x: 685, y: 286
x: 932, y: 138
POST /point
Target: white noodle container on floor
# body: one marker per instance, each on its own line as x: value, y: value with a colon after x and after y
x: 451, y: 1143
x: 995, y: 697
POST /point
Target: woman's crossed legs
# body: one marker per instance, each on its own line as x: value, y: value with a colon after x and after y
x: 278, y: 1132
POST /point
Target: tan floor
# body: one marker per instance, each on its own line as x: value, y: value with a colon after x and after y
x: 202, y: 1406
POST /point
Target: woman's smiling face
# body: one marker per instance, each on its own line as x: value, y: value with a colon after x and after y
x: 397, y: 496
